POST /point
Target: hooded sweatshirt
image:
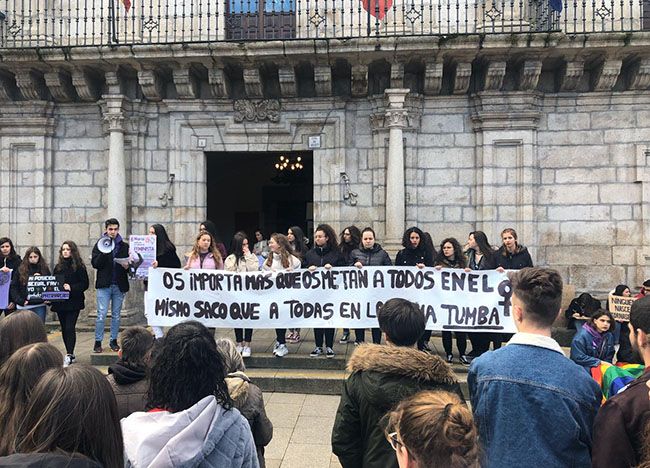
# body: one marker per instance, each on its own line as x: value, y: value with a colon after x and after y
x: 205, y: 435
x: 130, y: 386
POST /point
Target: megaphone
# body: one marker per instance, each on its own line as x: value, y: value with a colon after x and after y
x: 105, y: 244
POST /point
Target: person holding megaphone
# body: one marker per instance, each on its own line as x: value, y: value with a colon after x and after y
x: 112, y: 281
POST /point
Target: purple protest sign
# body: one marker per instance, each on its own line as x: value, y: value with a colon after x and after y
x: 5, y: 282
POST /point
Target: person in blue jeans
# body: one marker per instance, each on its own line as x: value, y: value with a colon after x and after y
x: 111, y: 283
x: 33, y: 264
x: 532, y: 405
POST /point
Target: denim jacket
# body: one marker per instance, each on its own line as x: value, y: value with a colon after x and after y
x: 585, y: 354
x: 533, y: 406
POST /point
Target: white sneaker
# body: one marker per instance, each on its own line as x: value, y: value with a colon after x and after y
x: 275, y: 347
x: 239, y: 348
x: 246, y: 351
x: 282, y: 350
x: 68, y: 359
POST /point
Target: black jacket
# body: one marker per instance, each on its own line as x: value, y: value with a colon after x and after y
x: 411, y: 257
x: 78, y: 281
x: 382, y: 376
x: 513, y: 261
x: 370, y: 257
x: 12, y: 263
x: 488, y: 262
x: 18, y: 289
x: 321, y: 256
x: 104, y: 264
x: 168, y: 259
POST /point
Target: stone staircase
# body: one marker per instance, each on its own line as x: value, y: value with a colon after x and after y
x: 297, y: 372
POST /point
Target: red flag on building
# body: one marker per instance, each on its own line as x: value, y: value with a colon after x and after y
x: 376, y: 8
x: 127, y: 5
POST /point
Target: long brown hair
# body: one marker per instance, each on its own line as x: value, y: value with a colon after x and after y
x: 285, y: 250
x: 18, y: 377
x: 436, y: 429
x: 194, y: 253
x: 73, y: 409
x: 76, y: 261
x: 19, y: 329
x: 23, y: 269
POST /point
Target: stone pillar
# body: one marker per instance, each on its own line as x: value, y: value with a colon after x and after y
x: 116, y: 186
x: 396, y: 120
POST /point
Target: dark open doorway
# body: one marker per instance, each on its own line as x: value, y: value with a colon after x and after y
x: 246, y: 191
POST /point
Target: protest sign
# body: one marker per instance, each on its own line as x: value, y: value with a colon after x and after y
x: 5, y: 283
x: 336, y: 298
x: 619, y: 307
x: 45, y: 288
x: 142, y: 254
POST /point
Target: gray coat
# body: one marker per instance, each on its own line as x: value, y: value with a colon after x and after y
x: 250, y: 403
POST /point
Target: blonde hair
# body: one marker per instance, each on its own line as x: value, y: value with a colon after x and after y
x: 194, y: 253
x: 436, y: 429
x: 285, y: 251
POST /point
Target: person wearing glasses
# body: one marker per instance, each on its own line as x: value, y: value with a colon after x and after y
x: 433, y: 428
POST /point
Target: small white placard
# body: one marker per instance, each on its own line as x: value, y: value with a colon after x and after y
x: 314, y: 141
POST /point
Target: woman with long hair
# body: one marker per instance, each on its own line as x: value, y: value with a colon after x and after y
x: 246, y: 396
x: 241, y: 259
x: 204, y: 254
x: 432, y: 429
x: 512, y: 255
x: 18, y: 377
x: 594, y: 342
x: 281, y: 258
x: 349, y: 239
x: 261, y: 246
x: 324, y: 254
x: 625, y: 351
x: 166, y: 257
x: 71, y: 415
x: 209, y: 226
x: 451, y: 255
x: 9, y: 262
x: 298, y: 242
x: 369, y: 253
x: 33, y: 264
x: 190, y: 415
x: 20, y: 329
x: 481, y: 256
x: 75, y: 280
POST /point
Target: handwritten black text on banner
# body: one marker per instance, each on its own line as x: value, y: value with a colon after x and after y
x: 336, y: 298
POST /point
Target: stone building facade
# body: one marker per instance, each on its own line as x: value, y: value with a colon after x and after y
x: 545, y: 132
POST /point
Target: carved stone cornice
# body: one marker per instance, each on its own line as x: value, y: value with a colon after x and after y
x: 186, y: 82
x: 253, y: 82
x: 287, y: 79
x: 573, y: 73
x: 114, y: 112
x: 606, y: 74
x: 462, y: 77
x: 250, y: 111
x: 359, y: 85
x: 515, y: 110
x: 396, y: 118
x: 640, y: 75
x: 59, y: 82
x: 28, y: 119
x: 218, y: 82
x: 496, y: 71
x: 323, y: 80
x: 531, y: 70
x: 31, y: 84
x: 433, y: 78
x: 151, y: 84
x: 87, y: 84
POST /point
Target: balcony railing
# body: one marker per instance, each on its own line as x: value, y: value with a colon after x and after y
x: 57, y: 23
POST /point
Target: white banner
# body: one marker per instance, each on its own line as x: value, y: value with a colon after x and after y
x: 337, y: 298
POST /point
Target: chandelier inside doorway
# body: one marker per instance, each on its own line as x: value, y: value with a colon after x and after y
x: 286, y: 163
x: 289, y: 168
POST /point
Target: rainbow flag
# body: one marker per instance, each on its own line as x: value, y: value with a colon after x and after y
x: 612, y: 378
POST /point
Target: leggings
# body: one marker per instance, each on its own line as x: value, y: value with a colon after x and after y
x: 68, y: 321
x: 461, y: 342
x: 280, y: 335
x: 328, y: 333
x: 243, y: 334
x: 360, y: 334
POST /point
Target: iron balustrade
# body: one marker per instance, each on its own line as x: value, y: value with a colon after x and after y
x: 57, y: 23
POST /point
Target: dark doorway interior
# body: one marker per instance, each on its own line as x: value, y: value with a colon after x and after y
x: 245, y: 191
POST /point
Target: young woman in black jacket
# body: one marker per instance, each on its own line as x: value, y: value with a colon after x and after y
x: 512, y: 255
x: 9, y: 261
x: 166, y: 257
x: 32, y: 265
x: 75, y: 280
x: 350, y: 239
x: 324, y: 254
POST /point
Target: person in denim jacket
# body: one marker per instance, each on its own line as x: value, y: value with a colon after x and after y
x: 594, y: 342
x: 532, y: 405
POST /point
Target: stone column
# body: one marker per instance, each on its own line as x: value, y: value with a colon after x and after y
x: 116, y: 189
x: 396, y: 120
